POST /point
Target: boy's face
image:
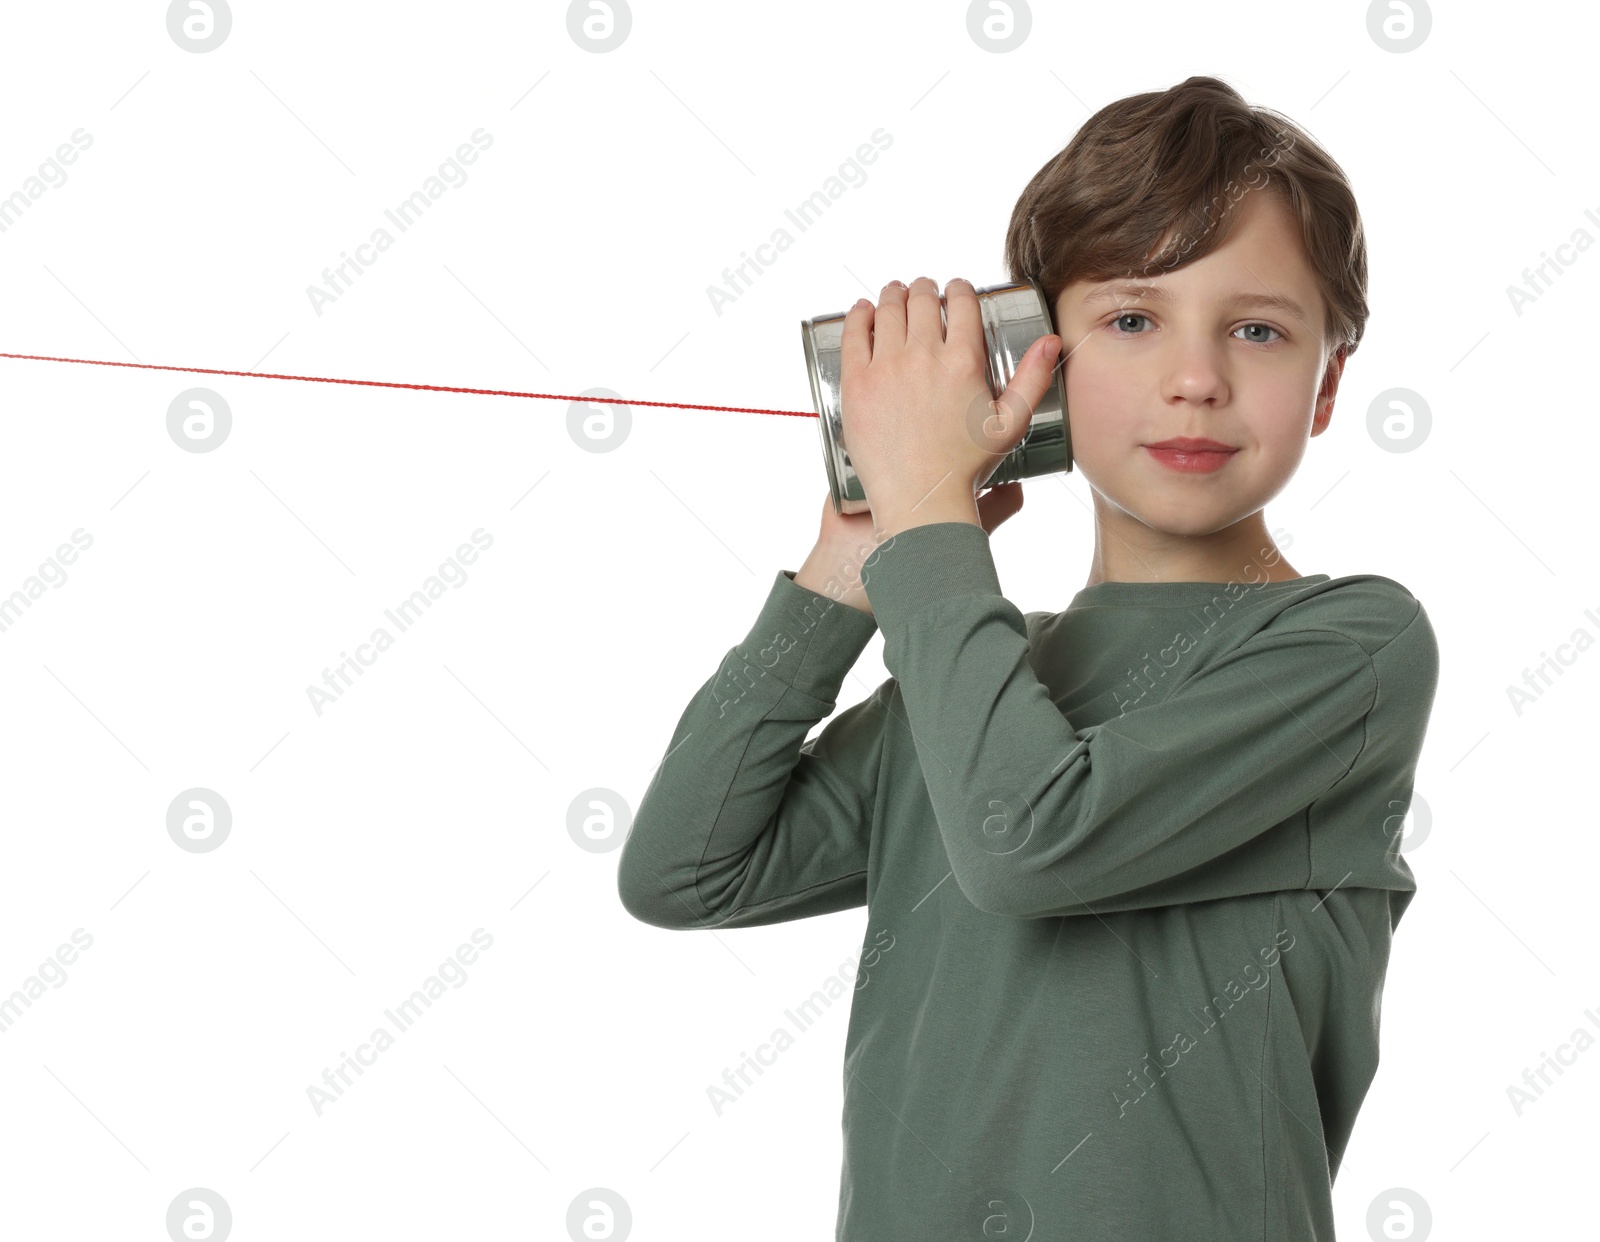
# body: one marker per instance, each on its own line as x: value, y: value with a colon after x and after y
x: 1200, y: 363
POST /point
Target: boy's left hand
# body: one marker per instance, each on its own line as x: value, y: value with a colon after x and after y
x: 919, y: 421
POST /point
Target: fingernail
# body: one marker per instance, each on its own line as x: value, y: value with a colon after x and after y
x: 1052, y: 347
x: 898, y: 284
x: 860, y: 302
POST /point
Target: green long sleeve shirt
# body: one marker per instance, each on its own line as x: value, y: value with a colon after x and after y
x: 1131, y: 873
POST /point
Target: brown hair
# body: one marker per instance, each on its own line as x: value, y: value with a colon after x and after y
x: 1178, y: 160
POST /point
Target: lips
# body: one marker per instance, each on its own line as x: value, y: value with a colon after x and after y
x: 1191, y: 456
x: 1184, y: 444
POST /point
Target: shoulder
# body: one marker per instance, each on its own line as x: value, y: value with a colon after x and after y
x: 1369, y: 609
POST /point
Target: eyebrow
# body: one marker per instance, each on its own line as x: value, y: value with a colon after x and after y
x: 1247, y: 301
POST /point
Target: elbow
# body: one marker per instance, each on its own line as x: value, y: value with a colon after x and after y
x: 635, y: 902
x: 1011, y: 907
x: 992, y: 892
x: 641, y: 900
x: 653, y: 911
x: 1030, y: 896
x: 649, y: 898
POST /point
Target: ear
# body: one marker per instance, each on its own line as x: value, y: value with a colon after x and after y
x: 1328, y: 390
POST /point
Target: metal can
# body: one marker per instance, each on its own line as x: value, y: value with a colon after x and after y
x: 1014, y: 316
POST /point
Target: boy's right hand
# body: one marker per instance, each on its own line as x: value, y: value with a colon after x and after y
x: 846, y: 540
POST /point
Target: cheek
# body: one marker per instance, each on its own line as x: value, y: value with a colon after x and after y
x: 1101, y: 404
x: 1285, y: 403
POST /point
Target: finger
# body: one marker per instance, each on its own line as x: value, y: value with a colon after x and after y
x: 963, y: 327
x: 1032, y: 379
x: 924, y: 325
x: 999, y: 503
x: 889, y: 321
x: 855, y: 345
x: 996, y: 494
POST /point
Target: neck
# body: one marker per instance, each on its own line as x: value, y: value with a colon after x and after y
x: 1128, y: 550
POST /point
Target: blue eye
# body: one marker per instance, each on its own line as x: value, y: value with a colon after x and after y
x: 1117, y: 325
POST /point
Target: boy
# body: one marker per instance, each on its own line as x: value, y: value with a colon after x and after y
x: 1138, y: 860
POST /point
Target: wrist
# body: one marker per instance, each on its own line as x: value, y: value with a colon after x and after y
x: 834, y: 574
x: 895, y: 519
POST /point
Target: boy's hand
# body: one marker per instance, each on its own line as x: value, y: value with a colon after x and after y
x: 918, y: 420
x: 846, y: 540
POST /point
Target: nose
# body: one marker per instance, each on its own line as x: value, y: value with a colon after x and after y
x: 1194, y: 370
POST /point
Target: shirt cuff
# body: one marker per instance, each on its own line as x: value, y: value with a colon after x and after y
x: 806, y: 640
x: 924, y: 565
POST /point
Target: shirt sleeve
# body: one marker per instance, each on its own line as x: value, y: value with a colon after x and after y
x: 1173, y: 800
x: 742, y: 825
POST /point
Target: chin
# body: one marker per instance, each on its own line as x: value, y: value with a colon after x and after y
x: 1171, y: 515
x: 1191, y: 525
x: 1182, y: 517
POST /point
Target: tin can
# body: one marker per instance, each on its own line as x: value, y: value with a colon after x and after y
x: 1014, y: 316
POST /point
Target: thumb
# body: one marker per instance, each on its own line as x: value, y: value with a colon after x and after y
x: 1034, y: 375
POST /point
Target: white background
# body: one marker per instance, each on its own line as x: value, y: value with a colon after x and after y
x: 433, y: 797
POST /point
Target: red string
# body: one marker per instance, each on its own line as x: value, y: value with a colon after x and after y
x: 492, y: 392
